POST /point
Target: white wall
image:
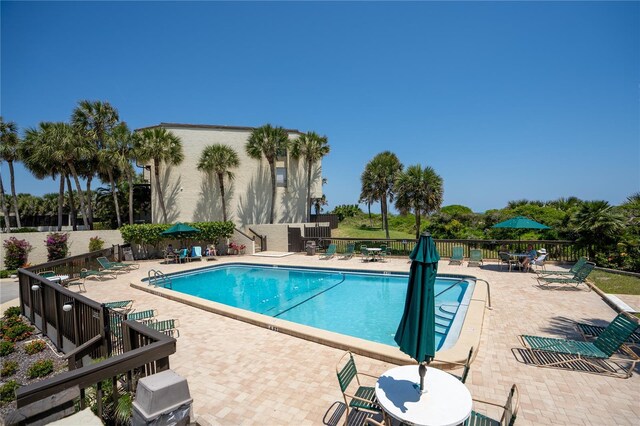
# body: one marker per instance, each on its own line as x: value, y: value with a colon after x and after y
x: 78, y: 243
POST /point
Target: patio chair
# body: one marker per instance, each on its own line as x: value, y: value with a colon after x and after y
x: 331, y: 251
x: 169, y: 256
x: 590, y: 332
x: 364, y: 397
x: 196, y: 253
x: 123, y: 306
x: 509, y: 414
x: 168, y: 327
x: 47, y: 274
x: 79, y: 281
x: 506, y: 259
x: 100, y: 273
x: 382, y: 254
x: 577, y: 279
x: 593, y: 355
x: 145, y: 317
x: 538, y: 262
x: 107, y: 265
x: 183, y: 255
x: 571, y: 272
x: 364, y: 253
x: 348, y: 254
x: 475, y: 258
x: 457, y: 256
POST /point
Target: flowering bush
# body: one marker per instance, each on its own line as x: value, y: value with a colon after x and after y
x: 239, y: 248
x: 96, y: 243
x: 57, y: 247
x: 16, y: 253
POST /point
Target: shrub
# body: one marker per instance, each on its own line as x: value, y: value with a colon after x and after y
x: 16, y: 253
x: 40, y: 368
x: 8, y: 391
x: 57, y: 247
x: 6, y: 348
x: 13, y: 311
x: 9, y: 368
x: 14, y: 329
x: 34, y: 347
x: 25, y: 229
x: 96, y: 243
x: 5, y: 274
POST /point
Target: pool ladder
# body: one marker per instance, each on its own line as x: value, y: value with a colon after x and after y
x: 157, y: 278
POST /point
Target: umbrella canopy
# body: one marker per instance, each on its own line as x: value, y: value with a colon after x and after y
x: 180, y: 229
x: 520, y: 222
x: 416, y: 334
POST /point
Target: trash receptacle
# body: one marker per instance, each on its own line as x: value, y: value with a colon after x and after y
x: 162, y: 399
x: 311, y: 248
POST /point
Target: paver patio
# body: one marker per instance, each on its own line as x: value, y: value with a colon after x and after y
x: 241, y: 374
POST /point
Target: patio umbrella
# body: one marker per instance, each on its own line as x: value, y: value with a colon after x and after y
x: 180, y: 231
x: 520, y: 222
x: 416, y: 334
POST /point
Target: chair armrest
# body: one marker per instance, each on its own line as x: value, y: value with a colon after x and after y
x: 358, y: 398
x: 369, y: 375
x: 495, y: 404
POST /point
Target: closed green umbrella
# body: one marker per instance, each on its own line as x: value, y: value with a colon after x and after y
x: 416, y: 334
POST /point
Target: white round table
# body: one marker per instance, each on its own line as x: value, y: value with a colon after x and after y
x: 446, y: 402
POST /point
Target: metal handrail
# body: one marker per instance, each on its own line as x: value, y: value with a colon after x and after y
x: 158, y: 278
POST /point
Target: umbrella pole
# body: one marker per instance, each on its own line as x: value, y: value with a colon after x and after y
x: 422, y: 370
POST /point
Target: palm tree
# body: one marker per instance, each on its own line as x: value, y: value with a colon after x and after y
x: 160, y: 146
x: 598, y: 224
x: 219, y: 159
x: 10, y: 152
x: 367, y: 193
x: 268, y: 141
x: 310, y: 147
x: 5, y: 210
x: 381, y: 174
x: 120, y: 144
x: 419, y: 189
x: 93, y: 121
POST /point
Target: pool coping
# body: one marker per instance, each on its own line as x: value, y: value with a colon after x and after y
x: 457, y: 354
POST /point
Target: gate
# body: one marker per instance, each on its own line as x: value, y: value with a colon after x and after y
x: 295, y: 240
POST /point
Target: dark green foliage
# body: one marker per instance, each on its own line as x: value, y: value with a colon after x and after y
x: 346, y: 210
x: 40, y: 368
x: 8, y: 391
x: 96, y: 243
x: 57, y: 247
x: 4, y: 274
x: 34, y: 347
x: 19, y: 230
x: 151, y: 234
x: 14, y: 329
x: 13, y: 311
x: 16, y: 253
x: 6, y: 348
x: 8, y: 368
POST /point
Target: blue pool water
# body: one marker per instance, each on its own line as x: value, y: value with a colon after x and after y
x: 364, y: 305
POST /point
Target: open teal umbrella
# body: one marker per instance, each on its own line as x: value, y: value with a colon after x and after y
x: 180, y: 231
x: 520, y: 222
x: 416, y: 334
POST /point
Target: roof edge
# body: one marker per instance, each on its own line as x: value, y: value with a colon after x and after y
x: 209, y: 126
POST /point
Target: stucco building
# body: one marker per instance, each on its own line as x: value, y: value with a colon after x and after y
x: 193, y: 196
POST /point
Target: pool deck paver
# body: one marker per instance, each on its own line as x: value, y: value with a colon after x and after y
x: 241, y: 374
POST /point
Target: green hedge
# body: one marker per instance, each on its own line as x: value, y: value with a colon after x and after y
x: 151, y: 234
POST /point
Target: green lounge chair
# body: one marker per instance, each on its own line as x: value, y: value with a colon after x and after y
x: 592, y: 354
x: 475, y: 258
x: 577, y: 279
x: 364, y: 397
x: 123, y: 306
x: 508, y: 415
x: 331, y: 251
x: 590, y: 331
x: 87, y: 273
x: 168, y: 327
x: 129, y: 266
x: 107, y: 265
x: 571, y: 272
x: 348, y: 254
x: 457, y: 256
x: 145, y: 317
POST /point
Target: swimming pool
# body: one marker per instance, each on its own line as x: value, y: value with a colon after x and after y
x: 366, y: 305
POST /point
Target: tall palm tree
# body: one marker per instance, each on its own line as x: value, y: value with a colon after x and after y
x: 367, y: 193
x: 381, y: 172
x: 598, y: 224
x: 311, y: 147
x: 10, y: 152
x: 268, y: 141
x: 93, y: 121
x: 5, y: 210
x: 219, y: 159
x: 419, y: 190
x: 120, y: 144
x: 159, y: 146
x: 59, y: 142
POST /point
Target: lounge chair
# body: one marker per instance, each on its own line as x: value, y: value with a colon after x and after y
x: 108, y: 265
x: 577, y: 279
x: 348, y: 254
x: 331, y: 251
x: 571, y: 272
x: 509, y: 414
x: 196, y: 253
x: 590, y: 354
x: 506, y: 259
x: 123, y: 306
x: 168, y: 327
x: 145, y: 317
x: 88, y: 273
x: 590, y: 331
x: 364, y: 397
x: 475, y: 258
x: 47, y: 274
x: 457, y: 256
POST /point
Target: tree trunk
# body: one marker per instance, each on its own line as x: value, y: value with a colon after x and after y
x: 156, y: 171
x: 130, y: 180
x: 85, y: 214
x: 224, y: 203
x: 385, y: 220
x: 60, y: 201
x: 13, y: 194
x: 417, y: 223
x: 5, y: 210
x: 89, y: 201
x: 308, y: 203
x: 369, y: 210
x: 72, y: 204
x: 114, y: 194
x: 272, y: 167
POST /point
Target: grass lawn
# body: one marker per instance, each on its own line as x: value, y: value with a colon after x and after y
x: 614, y: 283
x: 361, y: 227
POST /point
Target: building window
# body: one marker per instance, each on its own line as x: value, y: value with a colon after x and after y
x: 281, y: 177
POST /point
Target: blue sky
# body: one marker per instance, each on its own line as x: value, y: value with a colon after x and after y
x: 506, y: 100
